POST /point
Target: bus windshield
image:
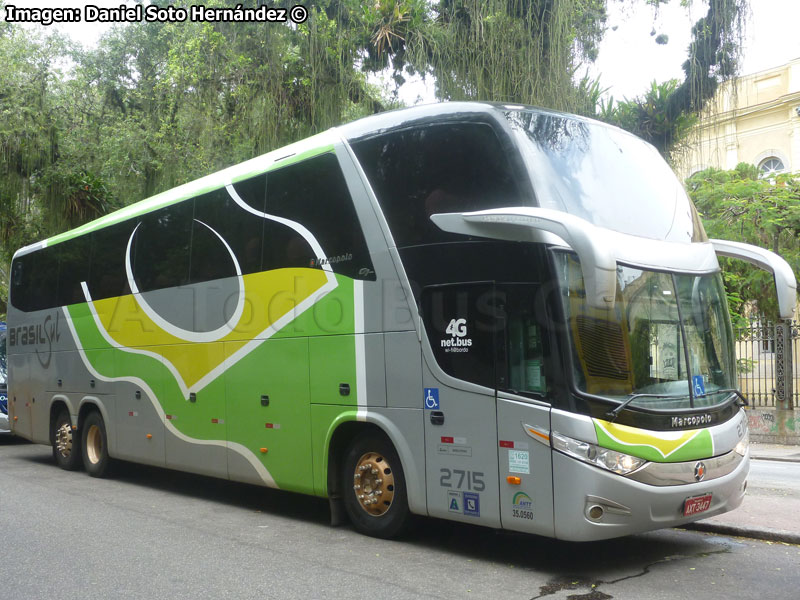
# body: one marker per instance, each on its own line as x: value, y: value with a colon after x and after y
x: 605, y: 176
x: 667, y: 339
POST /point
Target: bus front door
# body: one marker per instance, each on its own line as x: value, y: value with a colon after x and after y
x: 523, y: 410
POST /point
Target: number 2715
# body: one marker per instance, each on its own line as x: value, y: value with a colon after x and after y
x: 460, y: 479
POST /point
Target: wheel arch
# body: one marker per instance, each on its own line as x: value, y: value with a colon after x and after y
x: 57, y: 402
x: 347, y: 430
x: 89, y: 404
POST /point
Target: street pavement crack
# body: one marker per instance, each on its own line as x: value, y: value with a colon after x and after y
x: 594, y: 593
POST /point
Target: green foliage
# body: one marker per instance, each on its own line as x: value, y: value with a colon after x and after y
x: 739, y: 206
x: 649, y: 117
x: 519, y: 51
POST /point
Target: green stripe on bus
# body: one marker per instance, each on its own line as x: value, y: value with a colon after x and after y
x: 697, y: 447
x: 301, y: 364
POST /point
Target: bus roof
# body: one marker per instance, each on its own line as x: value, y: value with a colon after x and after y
x: 297, y: 151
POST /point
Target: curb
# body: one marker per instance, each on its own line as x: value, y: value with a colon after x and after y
x: 763, y: 533
x: 788, y: 459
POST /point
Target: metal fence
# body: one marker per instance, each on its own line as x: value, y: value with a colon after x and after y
x: 759, y: 346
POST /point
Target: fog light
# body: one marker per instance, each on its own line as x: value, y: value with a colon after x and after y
x: 596, y: 513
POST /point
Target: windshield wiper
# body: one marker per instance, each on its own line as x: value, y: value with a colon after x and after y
x: 615, y: 411
x: 740, y: 395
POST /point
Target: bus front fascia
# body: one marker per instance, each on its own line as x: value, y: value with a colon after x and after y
x: 600, y: 249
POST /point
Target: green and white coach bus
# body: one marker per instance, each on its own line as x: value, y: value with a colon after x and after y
x: 486, y: 313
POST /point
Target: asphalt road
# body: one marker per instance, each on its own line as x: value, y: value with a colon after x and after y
x: 151, y: 533
x: 775, y: 475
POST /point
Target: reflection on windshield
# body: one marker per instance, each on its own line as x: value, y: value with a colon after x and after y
x: 604, y: 175
x: 665, y: 333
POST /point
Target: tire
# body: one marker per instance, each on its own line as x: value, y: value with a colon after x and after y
x: 66, y: 442
x: 374, y: 487
x: 94, y: 446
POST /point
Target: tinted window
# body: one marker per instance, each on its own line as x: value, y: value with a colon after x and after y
x: 74, y: 269
x: 243, y: 232
x: 314, y: 193
x: 461, y: 323
x: 161, y: 248
x: 107, y: 278
x: 433, y: 169
x: 34, y: 280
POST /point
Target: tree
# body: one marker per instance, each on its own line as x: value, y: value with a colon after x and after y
x: 664, y: 114
x: 739, y: 205
x: 520, y: 51
x: 156, y: 105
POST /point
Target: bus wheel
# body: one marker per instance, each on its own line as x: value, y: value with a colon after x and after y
x: 374, y: 487
x: 96, y: 460
x: 66, y: 446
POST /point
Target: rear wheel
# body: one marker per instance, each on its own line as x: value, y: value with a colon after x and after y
x: 94, y: 444
x: 66, y: 443
x: 374, y: 487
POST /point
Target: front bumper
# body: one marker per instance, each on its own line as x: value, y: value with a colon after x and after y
x: 627, y: 506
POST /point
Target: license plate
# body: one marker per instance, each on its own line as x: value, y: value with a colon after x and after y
x: 696, y: 505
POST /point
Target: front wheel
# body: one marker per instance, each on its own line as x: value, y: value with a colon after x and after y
x: 94, y: 440
x: 374, y: 487
x: 66, y: 443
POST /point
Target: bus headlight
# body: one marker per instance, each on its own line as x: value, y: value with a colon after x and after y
x: 744, y: 444
x: 613, y: 461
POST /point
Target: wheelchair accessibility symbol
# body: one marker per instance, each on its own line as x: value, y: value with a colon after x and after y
x: 432, y: 398
x: 699, y: 385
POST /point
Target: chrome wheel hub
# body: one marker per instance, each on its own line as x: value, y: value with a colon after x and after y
x: 64, y: 440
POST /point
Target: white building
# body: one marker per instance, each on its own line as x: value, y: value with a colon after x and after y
x: 755, y: 119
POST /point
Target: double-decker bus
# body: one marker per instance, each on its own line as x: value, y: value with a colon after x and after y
x: 492, y: 314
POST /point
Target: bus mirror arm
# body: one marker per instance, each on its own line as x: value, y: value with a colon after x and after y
x: 525, y: 224
x: 785, y: 282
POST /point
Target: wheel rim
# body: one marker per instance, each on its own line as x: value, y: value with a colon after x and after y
x: 94, y: 444
x: 64, y: 440
x: 373, y: 483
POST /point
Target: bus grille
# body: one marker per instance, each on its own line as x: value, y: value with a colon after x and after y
x: 603, y: 348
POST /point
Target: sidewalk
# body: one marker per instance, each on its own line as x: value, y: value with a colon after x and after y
x: 766, y: 514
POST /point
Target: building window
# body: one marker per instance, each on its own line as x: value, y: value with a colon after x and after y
x: 769, y: 167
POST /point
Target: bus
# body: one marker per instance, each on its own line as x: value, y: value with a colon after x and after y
x: 486, y: 313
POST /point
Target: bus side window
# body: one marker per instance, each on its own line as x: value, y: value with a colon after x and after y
x: 522, y: 348
x: 314, y: 194
x: 74, y: 269
x: 161, y: 247
x: 430, y: 169
x: 216, y: 215
x: 35, y: 280
x: 525, y: 355
x: 461, y: 323
x: 107, y: 277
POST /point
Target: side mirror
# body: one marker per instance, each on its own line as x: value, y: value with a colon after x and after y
x: 785, y: 282
x: 526, y: 224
